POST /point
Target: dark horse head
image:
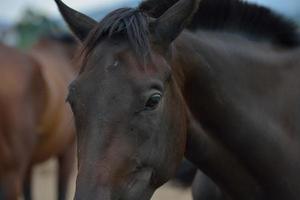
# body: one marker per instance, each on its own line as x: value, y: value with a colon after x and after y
x: 129, y: 112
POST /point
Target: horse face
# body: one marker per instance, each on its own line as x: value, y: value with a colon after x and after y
x: 130, y: 124
x: 129, y: 113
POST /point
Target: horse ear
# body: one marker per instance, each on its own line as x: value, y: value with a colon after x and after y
x: 79, y: 23
x: 170, y: 24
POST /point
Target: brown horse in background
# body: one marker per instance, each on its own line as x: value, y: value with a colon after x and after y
x: 36, y: 124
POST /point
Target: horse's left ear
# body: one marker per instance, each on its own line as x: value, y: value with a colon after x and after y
x: 170, y: 24
x: 79, y: 23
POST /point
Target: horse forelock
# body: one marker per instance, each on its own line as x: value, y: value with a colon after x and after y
x: 126, y: 22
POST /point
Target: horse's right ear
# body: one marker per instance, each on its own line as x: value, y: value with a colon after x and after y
x: 79, y: 23
x: 171, y: 23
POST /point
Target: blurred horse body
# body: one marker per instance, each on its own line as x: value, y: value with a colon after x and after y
x: 18, y: 118
x: 36, y: 124
x: 56, y: 125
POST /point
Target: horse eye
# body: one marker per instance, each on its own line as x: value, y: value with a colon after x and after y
x: 153, y: 102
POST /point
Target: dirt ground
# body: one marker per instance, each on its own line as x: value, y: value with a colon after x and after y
x: 45, y: 179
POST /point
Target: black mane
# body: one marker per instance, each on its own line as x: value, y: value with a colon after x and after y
x: 127, y: 22
x: 256, y: 22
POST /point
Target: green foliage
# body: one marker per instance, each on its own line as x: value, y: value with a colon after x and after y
x: 32, y: 25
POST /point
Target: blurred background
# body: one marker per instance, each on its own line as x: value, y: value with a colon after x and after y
x: 23, y: 22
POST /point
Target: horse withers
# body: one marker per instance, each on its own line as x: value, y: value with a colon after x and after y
x: 229, y: 85
x: 36, y: 124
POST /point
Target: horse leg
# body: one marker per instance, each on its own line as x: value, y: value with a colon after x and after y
x: 65, y: 168
x: 10, y: 186
x: 27, y: 192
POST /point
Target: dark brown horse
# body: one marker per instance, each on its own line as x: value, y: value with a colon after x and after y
x: 230, y: 85
x: 36, y: 124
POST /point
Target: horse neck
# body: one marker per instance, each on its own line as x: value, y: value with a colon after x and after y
x: 235, y: 125
x: 215, y: 160
x: 209, y: 151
